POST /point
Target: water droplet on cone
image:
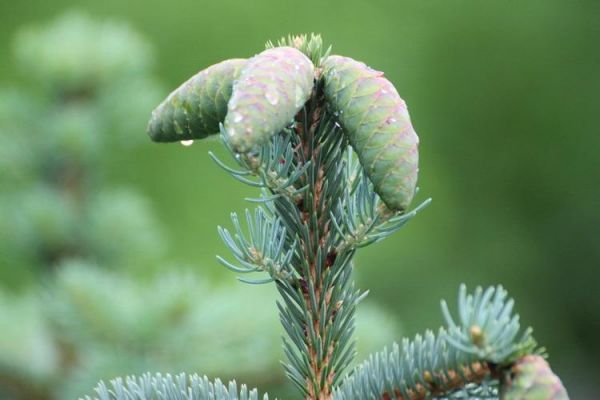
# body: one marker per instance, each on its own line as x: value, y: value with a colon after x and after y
x: 237, y: 117
x: 272, y: 98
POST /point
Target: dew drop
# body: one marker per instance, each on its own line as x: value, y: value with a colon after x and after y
x: 272, y: 98
x: 187, y: 143
x: 178, y: 129
x: 237, y: 117
x: 390, y: 120
x: 298, y: 98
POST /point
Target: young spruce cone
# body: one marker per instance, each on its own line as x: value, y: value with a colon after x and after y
x: 378, y: 126
x: 259, y: 97
x: 532, y: 379
x: 196, y: 108
x: 272, y: 87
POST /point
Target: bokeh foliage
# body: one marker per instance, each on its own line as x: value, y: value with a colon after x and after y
x: 59, y: 131
x: 503, y: 96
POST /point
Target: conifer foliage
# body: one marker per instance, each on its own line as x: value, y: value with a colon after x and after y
x: 330, y: 144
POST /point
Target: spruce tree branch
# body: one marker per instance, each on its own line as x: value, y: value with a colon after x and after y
x: 317, y: 310
x: 302, y: 174
x: 316, y: 292
x: 272, y: 165
x: 289, y: 123
x: 319, y: 207
x: 263, y: 248
x: 464, y: 357
x: 361, y: 218
x: 167, y: 387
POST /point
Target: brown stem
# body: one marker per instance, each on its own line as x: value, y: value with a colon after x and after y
x: 323, y: 388
x: 441, y: 383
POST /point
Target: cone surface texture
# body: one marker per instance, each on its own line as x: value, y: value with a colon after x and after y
x: 532, y: 379
x: 195, y: 109
x: 378, y: 126
x: 271, y: 89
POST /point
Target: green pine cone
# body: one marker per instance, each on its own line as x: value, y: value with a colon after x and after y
x: 532, y: 379
x: 196, y: 108
x: 378, y: 126
x: 272, y: 87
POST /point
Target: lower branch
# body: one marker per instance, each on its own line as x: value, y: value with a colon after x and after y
x: 481, y: 356
x: 442, y: 383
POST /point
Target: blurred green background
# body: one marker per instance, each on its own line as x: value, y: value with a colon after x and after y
x: 504, y: 96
